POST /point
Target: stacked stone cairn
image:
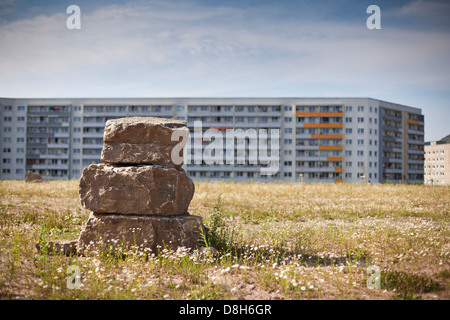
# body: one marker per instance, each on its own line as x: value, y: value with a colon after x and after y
x: 139, y: 196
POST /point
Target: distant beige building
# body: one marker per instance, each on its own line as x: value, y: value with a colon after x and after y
x: 437, y: 162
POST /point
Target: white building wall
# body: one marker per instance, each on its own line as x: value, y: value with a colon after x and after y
x: 87, y: 118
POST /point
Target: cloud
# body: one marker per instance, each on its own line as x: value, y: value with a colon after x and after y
x: 423, y: 14
x: 181, y: 48
x: 429, y: 9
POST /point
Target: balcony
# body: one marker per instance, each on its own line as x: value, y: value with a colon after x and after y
x: 392, y: 170
x: 392, y: 127
x: 54, y: 156
x: 393, y: 117
x: 306, y: 169
x: 307, y: 147
x: 415, y: 171
x: 393, y: 159
x: 94, y: 124
x: 36, y: 145
x: 58, y: 145
x: 397, y: 149
x: 415, y: 161
x: 47, y: 167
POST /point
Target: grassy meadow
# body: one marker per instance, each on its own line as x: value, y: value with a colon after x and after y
x: 274, y: 241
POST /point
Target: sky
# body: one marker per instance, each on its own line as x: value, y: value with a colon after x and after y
x: 245, y: 48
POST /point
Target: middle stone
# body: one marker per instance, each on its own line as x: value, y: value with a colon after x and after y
x: 141, y: 190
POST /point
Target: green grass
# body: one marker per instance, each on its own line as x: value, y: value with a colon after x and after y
x: 275, y: 241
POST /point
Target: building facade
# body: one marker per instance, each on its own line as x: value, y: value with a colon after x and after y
x: 319, y: 139
x: 437, y: 163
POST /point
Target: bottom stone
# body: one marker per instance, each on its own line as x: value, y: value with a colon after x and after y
x: 114, y: 231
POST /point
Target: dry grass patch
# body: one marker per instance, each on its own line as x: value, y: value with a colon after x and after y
x: 275, y: 241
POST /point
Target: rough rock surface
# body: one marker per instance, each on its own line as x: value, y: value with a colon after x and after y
x: 143, y: 140
x: 142, y: 190
x: 33, y: 177
x: 112, y: 231
x: 65, y: 247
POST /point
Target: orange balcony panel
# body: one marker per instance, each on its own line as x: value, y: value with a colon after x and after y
x: 413, y: 121
x: 319, y: 114
x: 330, y: 148
x: 338, y: 180
x: 338, y: 169
x: 326, y: 136
x: 322, y: 125
x: 335, y: 158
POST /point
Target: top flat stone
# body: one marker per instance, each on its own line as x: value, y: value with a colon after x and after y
x: 143, y: 140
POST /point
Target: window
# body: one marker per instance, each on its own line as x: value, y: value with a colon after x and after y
x: 361, y: 131
x: 360, y: 142
x: 21, y: 119
x: 348, y: 108
x: 288, y: 119
x: 360, y: 109
x: 21, y: 108
x: 287, y: 130
x: 360, y: 119
x: 348, y: 119
x: 349, y: 130
x: 348, y: 141
x: 287, y: 141
x: 7, y: 119
x: 360, y: 153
